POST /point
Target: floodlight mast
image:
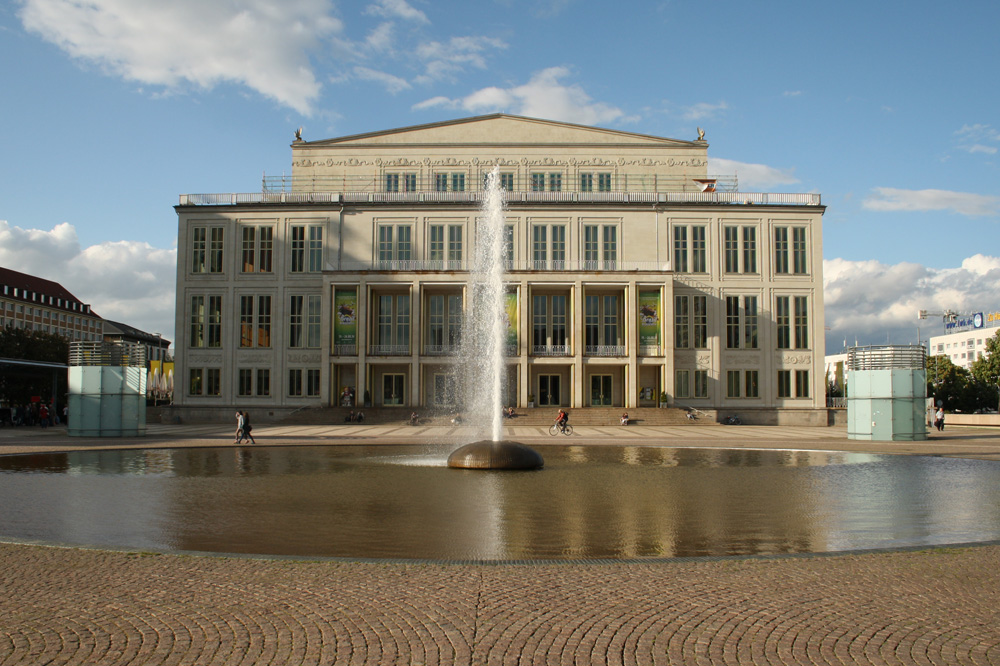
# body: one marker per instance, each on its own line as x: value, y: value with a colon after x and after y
x: 947, y: 315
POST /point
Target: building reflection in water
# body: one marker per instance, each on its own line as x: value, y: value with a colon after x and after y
x: 588, y: 502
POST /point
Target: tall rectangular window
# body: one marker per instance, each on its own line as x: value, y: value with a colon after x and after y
x: 392, y: 182
x: 394, y: 243
x: 699, y: 261
x: 435, y: 250
x: 682, y: 322
x: 749, y: 249
x: 750, y: 322
x: 604, y: 182
x: 610, y: 246
x: 458, y: 182
x: 263, y: 382
x: 315, y: 249
x: 400, y: 182
x: 740, y: 249
x: 783, y: 322
x: 214, y: 324
x: 601, y: 329
x: 538, y: 182
x: 797, y: 264
x: 440, y: 182
x: 199, y: 250
x: 781, y: 250
x: 295, y: 382
x: 752, y: 384
x: 507, y: 181
x: 455, y: 245
x: 784, y: 383
x: 196, y: 381
x: 682, y: 384
x: 213, y: 381
x: 586, y: 182
x: 393, y: 323
x: 197, y: 335
x: 731, y: 249
x: 701, y: 383
x: 558, y: 247
x: 732, y: 322
x: 207, y: 246
x: 680, y: 249
x: 555, y: 182
x: 298, y: 248
x: 215, y: 249
x: 801, y: 322
x: 246, y: 321
x: 312, y: 382
x: 591, y: 248
x: 444, y: 322
x: 244, y: 382
x: 799, y: 251
x: 304, y: 321
x: 733, y: 383
x: 801, y: 383
x: 539, y: 246
x: 700, y: 332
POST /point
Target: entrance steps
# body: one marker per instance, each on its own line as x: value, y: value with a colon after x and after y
x: 538, y: 416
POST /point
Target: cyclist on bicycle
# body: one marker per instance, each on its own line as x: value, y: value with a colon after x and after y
x: 562, y: 418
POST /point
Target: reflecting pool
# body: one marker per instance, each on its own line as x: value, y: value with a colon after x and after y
x: 588, y: 502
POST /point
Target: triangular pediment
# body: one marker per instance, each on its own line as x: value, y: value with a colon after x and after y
x: 500, y: 129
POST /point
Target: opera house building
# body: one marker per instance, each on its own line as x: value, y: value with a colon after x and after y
x: 635, y: 277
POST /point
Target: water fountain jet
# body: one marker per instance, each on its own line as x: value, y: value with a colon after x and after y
x: 483, y: 342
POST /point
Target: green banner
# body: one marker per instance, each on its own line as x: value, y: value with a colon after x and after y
x: 649, y: 318
x: 510, y: 309
x: 345, y: 317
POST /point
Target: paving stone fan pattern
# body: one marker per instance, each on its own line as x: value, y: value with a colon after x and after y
x: 74, y: 606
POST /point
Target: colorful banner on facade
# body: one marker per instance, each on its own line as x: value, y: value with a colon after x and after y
x: 345, y: 317
x: 649, y: 318
x: 510, y: 310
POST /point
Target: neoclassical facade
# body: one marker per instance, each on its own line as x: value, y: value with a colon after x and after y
x: 633, y: 274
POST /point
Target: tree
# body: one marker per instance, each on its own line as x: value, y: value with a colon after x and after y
x: 952, y: 386
x: 986, y: 368
x: 18, y: 383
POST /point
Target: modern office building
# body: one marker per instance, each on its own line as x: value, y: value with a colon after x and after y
x: 632, y: 273
x: 37, y: 304
x: 965, y: 338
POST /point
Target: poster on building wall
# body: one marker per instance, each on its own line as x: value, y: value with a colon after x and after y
x: 345, y: 317
x: 510, y: 311
x: 649, y: 318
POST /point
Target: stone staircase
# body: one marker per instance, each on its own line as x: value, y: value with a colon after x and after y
x: 538, y: 416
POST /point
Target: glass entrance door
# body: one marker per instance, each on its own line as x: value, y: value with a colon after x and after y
x: 600, y: 390
x: 548, y: 390
x: 392, y: 389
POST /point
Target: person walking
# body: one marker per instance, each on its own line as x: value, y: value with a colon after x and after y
x: 247, y: 429
x: 939, y: 419
x: 239, y: 427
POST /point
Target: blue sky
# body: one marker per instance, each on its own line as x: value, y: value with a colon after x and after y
x: 112, y: 108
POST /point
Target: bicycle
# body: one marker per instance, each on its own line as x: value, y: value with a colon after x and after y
x: 732, y: 420
x: 556, y: 428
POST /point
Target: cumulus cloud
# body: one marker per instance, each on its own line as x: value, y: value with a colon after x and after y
x: 543, y: 96
x: 127, y: 281
x: 444, y: 60
x: 703, y: 110
x: 397, y: 9
x: 753, y: 176
x: 963, y: 203
x: 390, y: 82
x: 261, y: 44
x: 874, y: 302
x: 979, y: 138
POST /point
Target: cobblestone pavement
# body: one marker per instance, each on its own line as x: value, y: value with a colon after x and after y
x: 78, y: 606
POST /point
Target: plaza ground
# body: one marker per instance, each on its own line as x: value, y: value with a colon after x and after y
x: 80, y: 606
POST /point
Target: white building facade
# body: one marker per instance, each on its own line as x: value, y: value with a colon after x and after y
x: 632, y: 273
x: 967, y: 338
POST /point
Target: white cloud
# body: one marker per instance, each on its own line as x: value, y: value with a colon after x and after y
x: 544, y: 96
x: 752, y: 176
x: 444, y: 60
x: 392, y: 84
x: 703, y: 110
x: 125, y: 281
x: 963, y: 203
x: 397, y: 9
x: 262, y: 44
x: 873, y: 302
